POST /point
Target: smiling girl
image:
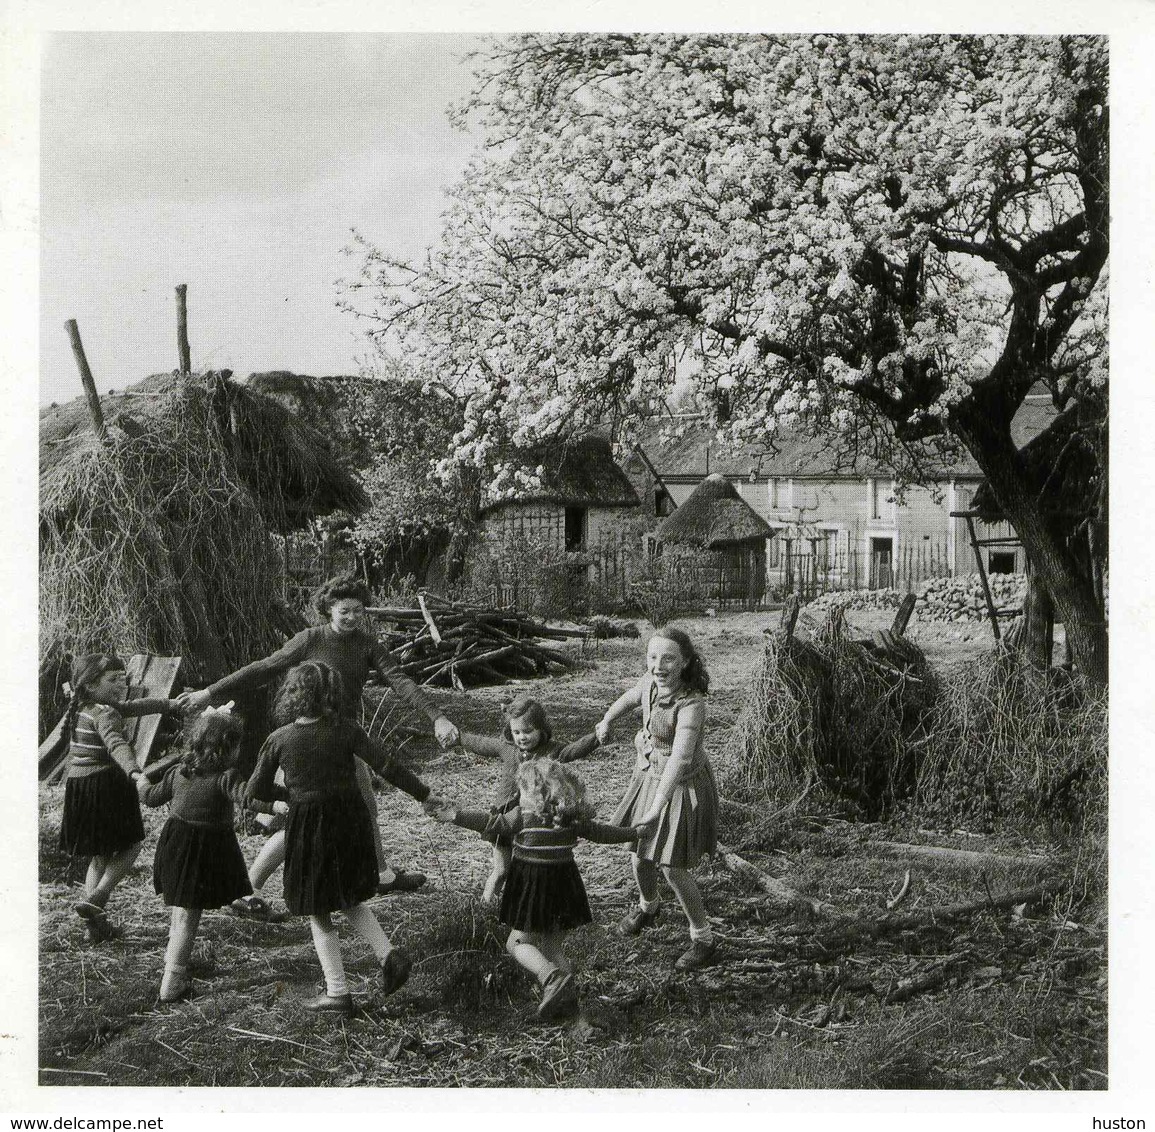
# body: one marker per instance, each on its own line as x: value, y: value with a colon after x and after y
x: 527, y: 736
x: 101, y: 812
x: 672, y: 796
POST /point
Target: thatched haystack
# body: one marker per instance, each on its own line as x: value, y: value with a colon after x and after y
x: 833, y: 718
x: 158, y: 540
x: 716, y: 520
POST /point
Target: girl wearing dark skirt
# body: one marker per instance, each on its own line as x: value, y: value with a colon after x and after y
x: 544, y: 897
x: 101, y: 818
x: 330, y: 864
x: 198, y: 862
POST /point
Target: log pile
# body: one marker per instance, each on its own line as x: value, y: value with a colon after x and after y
x: 451, y: 645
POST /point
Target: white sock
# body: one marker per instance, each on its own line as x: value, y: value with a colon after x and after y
x: 367, y: 926
x: 649, y: 905
x: 174, y: 978
x: 386, y: 875
x: 702, y: 935
x: 328, y: 948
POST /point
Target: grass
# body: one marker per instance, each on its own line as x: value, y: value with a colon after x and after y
x: 795, y: 1003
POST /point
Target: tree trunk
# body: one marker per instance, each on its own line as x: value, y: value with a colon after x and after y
x: 1072, y: 593
x: 1038, y: 622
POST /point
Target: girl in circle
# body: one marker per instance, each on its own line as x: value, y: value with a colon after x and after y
x: 544, y: 898
x: 672, y: 796
x: 329, y: 862
x: 101, y: 812
x: 527, y: 735
x: 198, y: 862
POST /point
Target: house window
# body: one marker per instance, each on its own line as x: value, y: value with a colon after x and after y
x: 575, y: 528
x: 774, y: 552
x: 663, y: 504
x: 876, y: 499
x: 1001, y: 562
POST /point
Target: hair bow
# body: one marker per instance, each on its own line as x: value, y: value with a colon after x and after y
x: 224, y: 709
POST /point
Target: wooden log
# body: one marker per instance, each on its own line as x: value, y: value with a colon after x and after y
x: 891, y: 922
x: 434, y: 632
x: 184, y: 355
x: 902, y: 617
x: 789, y: 617
x: 780, y: 894
x: 86, y: 379
x: 969, y: 858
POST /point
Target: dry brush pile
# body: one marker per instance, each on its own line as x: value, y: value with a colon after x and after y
x: 995, y: 742
x: 833, y: 714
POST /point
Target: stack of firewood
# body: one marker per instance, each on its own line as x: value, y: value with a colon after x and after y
x: 453, y: 645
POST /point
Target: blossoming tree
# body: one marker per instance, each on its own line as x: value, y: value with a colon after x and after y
x: 893, y: 239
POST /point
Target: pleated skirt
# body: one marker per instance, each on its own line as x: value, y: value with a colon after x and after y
x: 544, y: 897
x: 101, y: 814
x: 688, y: 828
x: 199, y: 866
x: 330, y: 862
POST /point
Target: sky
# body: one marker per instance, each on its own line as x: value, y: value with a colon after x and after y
x: 238, y: 164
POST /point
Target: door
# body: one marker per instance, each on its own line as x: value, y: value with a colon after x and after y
x: 882, y: 563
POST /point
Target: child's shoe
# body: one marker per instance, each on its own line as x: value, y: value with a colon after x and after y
x: 558, y: 992
x: 632, y: 923
x: 395, y: 970
x: 181, y: 994
x: 698, y: 954
x: 330, y: 1004
x: 401, y: 882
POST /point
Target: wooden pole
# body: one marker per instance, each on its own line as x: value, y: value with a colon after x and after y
x: 182, y: 328
x: 86, y: 380
x: 992, y: 612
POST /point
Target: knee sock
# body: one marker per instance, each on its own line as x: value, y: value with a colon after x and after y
x: 367, y: 926
x: 327, y: 943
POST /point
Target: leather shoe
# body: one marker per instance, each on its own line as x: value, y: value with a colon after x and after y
x: 632, y: 923
x: 698, y: 954
x: 395, y: 970
x: 401, y: 882
x: 560, y: 991
x: 330, y: 1004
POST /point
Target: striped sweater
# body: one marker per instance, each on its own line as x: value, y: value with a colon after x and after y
x: 536, y: 842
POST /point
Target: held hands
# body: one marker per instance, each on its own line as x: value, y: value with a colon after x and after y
x: 648, y: 824
x: 140, y: 782
x: 446, y: 732
x: 190, y: 702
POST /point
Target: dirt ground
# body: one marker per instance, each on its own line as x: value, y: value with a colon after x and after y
x: 1003, y: 999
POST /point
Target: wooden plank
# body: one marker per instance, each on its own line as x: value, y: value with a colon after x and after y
x: 149, y: 676
x: 433, y: 630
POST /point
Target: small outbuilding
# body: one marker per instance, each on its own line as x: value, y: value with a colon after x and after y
x: 729, y: 535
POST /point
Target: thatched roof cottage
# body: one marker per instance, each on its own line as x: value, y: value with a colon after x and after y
x: 579, y: 494
x: 718, y: 522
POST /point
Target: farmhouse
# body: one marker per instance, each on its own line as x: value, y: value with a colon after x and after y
x: 842, y: 526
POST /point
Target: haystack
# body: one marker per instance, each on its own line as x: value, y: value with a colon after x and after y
x: 159, y: 539
x: 835, y: 718
x: 715, y: 519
